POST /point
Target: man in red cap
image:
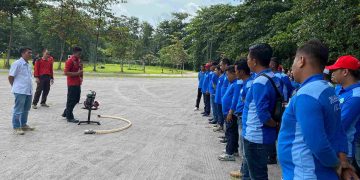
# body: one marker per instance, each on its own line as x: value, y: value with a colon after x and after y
x: 346, y: 73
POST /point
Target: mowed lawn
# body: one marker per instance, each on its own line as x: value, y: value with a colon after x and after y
x: 116, y: 68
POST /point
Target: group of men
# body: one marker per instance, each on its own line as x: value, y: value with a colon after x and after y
x: 21, y: 77
x: 315, y: 125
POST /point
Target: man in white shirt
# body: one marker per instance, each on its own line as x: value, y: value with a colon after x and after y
x: 20, y: 79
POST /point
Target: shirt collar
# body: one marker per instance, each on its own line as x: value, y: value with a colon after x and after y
x: 22, y: 60
x: 312, y: 78
x: 349, y: 88
x: 263, y: 72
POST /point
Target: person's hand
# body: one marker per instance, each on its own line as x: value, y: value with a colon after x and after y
x: 37, y: 80
x: 229, y: 117
x: 52, y: 81
x: 349, y: 174
x: 80, y: 72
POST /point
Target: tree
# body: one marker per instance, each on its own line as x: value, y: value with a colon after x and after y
x: 12, y: 8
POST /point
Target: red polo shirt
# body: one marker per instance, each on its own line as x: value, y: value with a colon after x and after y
x: 44, y: 67
x: 73, y: 64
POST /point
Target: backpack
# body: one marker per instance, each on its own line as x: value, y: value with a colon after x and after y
x: 279, y: 108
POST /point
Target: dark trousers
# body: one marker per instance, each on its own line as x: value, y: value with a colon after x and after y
x: 255, y: 164
x: 198, y: 99
x: 42, y: 87
x: 73, y: 97
x: 272, y: 152
x: 232, y: 135
x: 220, y: 115
x: 207, y: 103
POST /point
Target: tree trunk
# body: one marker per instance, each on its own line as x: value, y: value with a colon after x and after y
x: 122, y: 65
x: 7, y: 64
x: 61, y: 54
x: 97, y: 42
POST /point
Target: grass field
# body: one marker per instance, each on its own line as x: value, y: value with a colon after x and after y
x: 115, y: 68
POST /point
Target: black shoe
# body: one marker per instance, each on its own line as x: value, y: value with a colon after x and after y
x: 63, y: 115
x: 213, y: 122
x: 203, y: 113
x: 73, y: 120
x: 211, y: 119
x: 206, y: 115
x: 223, y: 141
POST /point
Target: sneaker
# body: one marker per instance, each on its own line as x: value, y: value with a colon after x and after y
x: 19, y: 131
x: 218, y: 128
x: 223, y: 141
x: 213, y: 122
x: 196, y: 109
x: 73, y: 120
x: 226, y: 157
x: 34, y: 106
x: 236, y: 174
x: 27, y: 128
x: 44, y: 105
x: 216, y: 125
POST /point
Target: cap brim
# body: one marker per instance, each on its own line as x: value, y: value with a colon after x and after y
x: 332, y: 67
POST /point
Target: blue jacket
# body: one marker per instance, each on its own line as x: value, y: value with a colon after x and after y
x: 205, y: 85
x: 238, y: 86
x: 259, y: 105
x: 243, y: 91
x: 350, y: 114
x: 287, y: 86
x: 212, y: 85
x: 311, y: 134
x: 200, y: 79
x: 228, y: 97
x: 218, y: 89
x: 224, y: 85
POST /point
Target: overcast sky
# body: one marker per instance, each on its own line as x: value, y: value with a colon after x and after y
x: 153, y: 11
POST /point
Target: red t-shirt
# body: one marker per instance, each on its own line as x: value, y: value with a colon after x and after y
x: 73, y: 64
x: 44, y: 67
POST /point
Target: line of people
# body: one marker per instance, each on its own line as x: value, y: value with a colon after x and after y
x: 21, y: 77
x: 315, y: 125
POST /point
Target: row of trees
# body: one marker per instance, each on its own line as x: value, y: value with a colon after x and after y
x: 182, y: 41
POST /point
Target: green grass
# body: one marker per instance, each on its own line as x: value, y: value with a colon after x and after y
x: 115, y: 68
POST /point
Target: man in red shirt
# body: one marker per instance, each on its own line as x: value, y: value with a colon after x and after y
x: 44, y: 75
x: 74, y: 72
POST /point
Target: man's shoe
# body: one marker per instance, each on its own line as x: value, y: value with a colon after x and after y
x: 34, y: 106
x: 203, y: 113
x: 236, y: 174
x: 226, y: 157
x: 19, y: 131
x: 223, y: 141
x: 218, y: 128
x: 44, y: 105
x: 196, y: 109
x: 211, y: 119
x: 27, y: 128
x: 73, y: 120
x: 213, y: 122
x: 221, y: 137
x: 206, y: 115
x: 216, y: 125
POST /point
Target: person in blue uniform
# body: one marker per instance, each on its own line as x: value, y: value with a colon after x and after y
x: 205, y: 90
x: 259, y: 128
x: 212, y: 86
x: 312, y: 143
x: 231, y: 132
x: 200, y: 82
x: 347, y: 74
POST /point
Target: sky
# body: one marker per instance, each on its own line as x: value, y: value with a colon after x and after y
x: 154, y: 11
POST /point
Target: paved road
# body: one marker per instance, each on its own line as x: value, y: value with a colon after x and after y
x: 167, y: 140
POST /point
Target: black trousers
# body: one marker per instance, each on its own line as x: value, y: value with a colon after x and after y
x: 42, y: 87
x: 207, y: 103
x: 232, y: 135
x: 198, y: 99
x: 73, y: 97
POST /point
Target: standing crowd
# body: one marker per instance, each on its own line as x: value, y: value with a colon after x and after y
x: 20, y: 79
x: 306, y: 119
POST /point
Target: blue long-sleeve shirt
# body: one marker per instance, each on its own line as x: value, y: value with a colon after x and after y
x: 224, y: 85
x: 212, y: 85
x: 287, y: 86
x: 350, y: 114
x: 228, y: 97
x: 205, y: 85
x: 218, y: 89
x: 238, y: 85
x: 200, y: 79
x: 259, y: 105
x: 243, y: 91
x: 311, y: 134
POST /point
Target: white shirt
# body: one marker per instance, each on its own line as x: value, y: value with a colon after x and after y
x: 21, y: 71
